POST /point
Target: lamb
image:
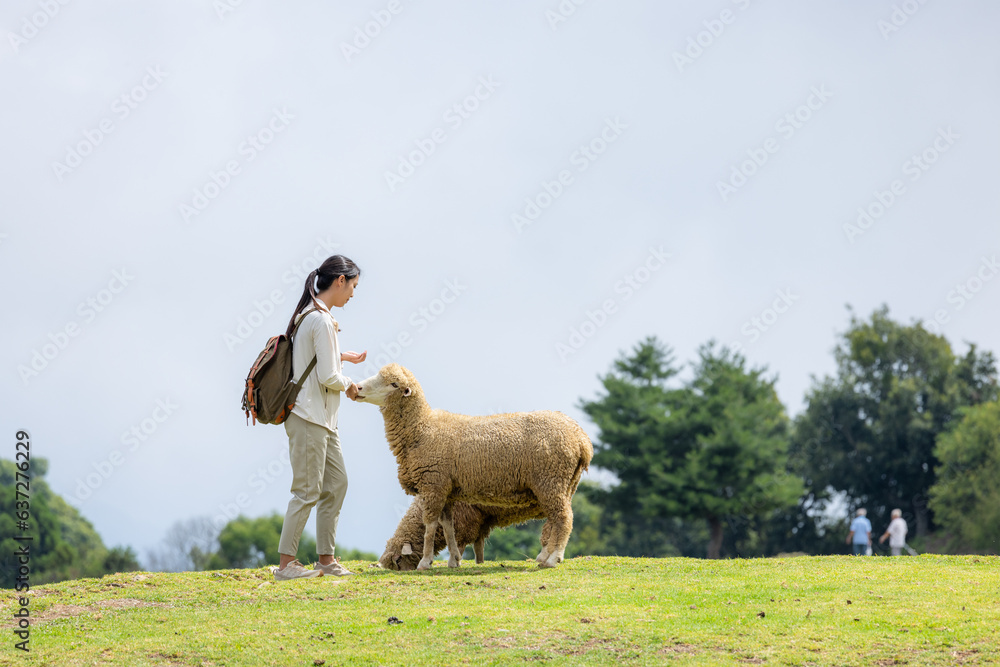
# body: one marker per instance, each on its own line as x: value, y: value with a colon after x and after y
x: 473, y: 524
x: 510, y: 461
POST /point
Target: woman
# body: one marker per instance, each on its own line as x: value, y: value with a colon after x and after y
x: 318, y: 474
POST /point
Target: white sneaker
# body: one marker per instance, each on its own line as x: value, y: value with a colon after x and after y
x: 295, y: 570
x: 334, y: 568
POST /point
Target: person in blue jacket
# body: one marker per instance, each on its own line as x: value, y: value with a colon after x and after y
x: 860, y: 537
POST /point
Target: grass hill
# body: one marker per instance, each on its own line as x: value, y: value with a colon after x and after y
x: 837, y: 610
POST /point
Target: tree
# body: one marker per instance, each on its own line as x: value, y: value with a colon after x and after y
x: 63, y: 545
x: 630, y: 419
x: 187, y: 546
x: 966, y: 498
x: 869, y: 433
x: 710, y: 450
x: 121, y: 559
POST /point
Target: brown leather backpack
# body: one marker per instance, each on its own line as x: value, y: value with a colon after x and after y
x: 270, y: 390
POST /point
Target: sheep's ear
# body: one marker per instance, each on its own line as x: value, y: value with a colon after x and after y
x: 406, y: 391
x: 407, y: 549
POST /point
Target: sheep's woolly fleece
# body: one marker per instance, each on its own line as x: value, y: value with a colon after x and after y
x: 510, y: 460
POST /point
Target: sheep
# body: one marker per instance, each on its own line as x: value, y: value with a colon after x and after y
x: 473, y: 524
x: 510, y: 461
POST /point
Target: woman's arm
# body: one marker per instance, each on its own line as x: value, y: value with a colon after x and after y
x: 328, y: 355
x: 353, y: 357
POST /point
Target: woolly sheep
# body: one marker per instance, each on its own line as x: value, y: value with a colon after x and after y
x: 509, y: 460
x: 473, y: 524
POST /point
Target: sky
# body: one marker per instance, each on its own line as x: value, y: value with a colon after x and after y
x: 529, y: 188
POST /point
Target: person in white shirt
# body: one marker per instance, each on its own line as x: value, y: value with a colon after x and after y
x: 896, y: 533
x: 318, y: 475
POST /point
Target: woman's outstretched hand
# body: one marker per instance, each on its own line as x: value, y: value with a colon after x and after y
x: 353, y: 357
x: 352, y: 392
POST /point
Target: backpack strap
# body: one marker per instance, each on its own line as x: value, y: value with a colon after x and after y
x: 302, y: 317
x: 312, y: 364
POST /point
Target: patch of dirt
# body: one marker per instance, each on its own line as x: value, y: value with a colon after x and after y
x: 534, y: 643
x: 591, y: 645
x: 164, y: 659
x: 61, y: 611
x: 679, y: 648
x: 69, y: 610
x: 508, y: 643
x: 962, y: 656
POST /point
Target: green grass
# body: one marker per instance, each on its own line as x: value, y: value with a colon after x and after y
x: 838, y: 610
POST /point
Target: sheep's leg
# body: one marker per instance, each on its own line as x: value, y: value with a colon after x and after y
x: 433, y: 517
x: 479, y: 546
x: 429, y: 529
x: 543, y: 555
x: 560, y: 513
x: 448, y: 524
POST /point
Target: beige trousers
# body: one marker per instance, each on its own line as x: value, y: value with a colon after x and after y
x: 318, y: 478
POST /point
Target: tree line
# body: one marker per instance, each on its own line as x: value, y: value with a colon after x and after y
x: 713, y: 466
x: 706, y: 466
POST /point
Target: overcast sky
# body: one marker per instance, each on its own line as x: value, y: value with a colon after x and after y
x: 530, y: 188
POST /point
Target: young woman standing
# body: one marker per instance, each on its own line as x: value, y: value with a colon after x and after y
x: 318, y: 475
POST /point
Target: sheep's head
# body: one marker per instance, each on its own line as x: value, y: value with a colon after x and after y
x: 392, y: 379
x: 399, y: 557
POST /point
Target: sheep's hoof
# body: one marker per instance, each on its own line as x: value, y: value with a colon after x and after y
x: 453, y: 562
x: 544, y: 564
x: 424, y: 565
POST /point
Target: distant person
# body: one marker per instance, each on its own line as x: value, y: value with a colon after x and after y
x: 896, y: 533
x: 319, y: 477
x: 860, y: 536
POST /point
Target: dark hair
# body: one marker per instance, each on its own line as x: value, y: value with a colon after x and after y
x: 334, y: 267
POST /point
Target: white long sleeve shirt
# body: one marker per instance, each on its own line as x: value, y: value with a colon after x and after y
x: 897, y: 532
x: 319, y: 399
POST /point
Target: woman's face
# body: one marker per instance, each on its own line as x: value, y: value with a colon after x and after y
x: 343, y: 290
